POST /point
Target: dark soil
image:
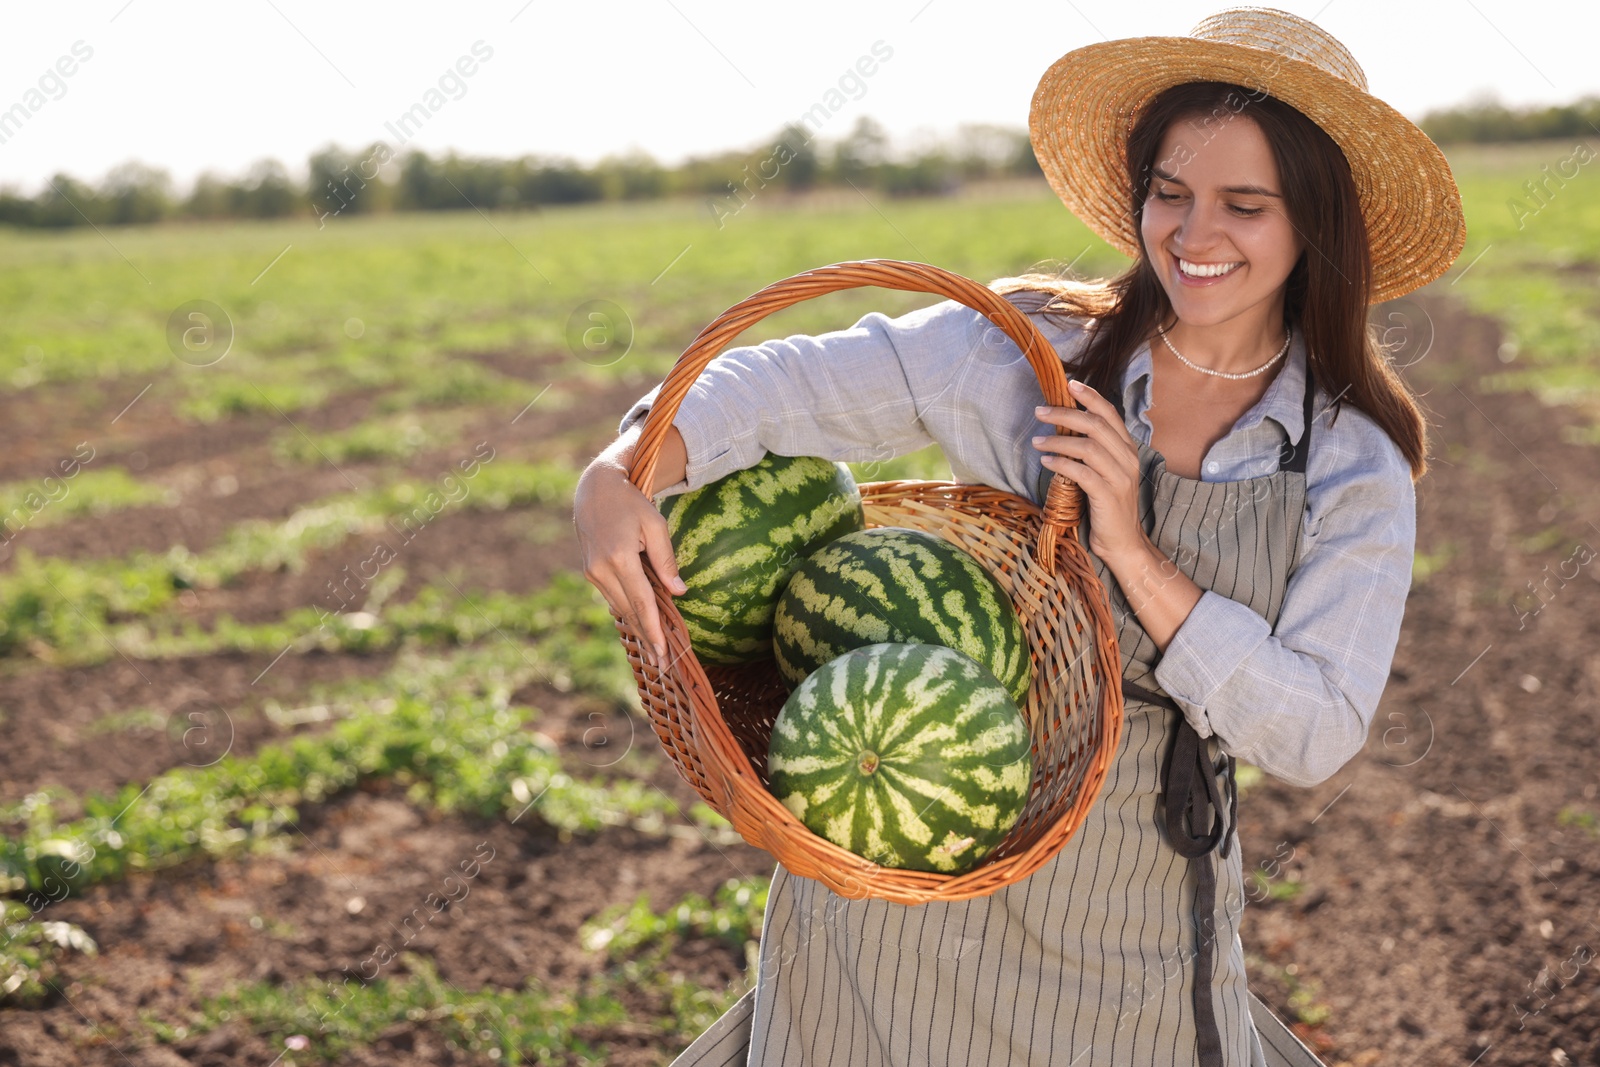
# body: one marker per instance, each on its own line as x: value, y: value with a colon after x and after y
x: 1449, y: 875
x: 1449, y: 907
x: 360, y: 880
x: 225, y: 472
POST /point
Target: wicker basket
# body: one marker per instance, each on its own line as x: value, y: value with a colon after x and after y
x: 715, y: 721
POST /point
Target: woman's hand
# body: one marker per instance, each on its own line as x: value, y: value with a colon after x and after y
x: 1104, y: 462
x: 616, y: 523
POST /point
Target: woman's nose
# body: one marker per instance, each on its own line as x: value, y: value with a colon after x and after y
x: 1199, y: 229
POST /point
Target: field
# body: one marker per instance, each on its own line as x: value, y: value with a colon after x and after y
x: 315, y: 746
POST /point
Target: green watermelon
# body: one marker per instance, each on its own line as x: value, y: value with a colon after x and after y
x: 739, y: 539
x: 909, y: 755
x: 901, y: 585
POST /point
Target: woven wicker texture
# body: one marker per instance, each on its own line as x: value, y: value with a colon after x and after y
x: 715, y: 722
x: 1087, y: 102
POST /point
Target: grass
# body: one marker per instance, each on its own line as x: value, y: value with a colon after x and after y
x: 1305, y: 1005
x: 326, y: 1020
x: 441, y: 727
x: 1584, y: 820
x: 440, y: 616
x: 327, y: 1017
x: 430, y: 288
x: 1425, y: 565
x: 1265, y: 887
x: 29, y: 951
x: 61, y: 610
x: 734, y: 917
x: 394, y: 438
x: 1532, y: 260
x: 53, y: 499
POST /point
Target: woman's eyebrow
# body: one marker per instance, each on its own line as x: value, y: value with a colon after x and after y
x: 1242, y: 190
x: 1250, y: 190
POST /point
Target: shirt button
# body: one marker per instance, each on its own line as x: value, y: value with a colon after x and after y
x: 1213, y: 467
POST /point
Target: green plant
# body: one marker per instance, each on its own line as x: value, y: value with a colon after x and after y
x: 28, y: 951
x: 329, y: 1018
x: 734, y: 917
x: 458, y: 753
x: 1264, y: 887
x: 62, y: 609
x: 1585, y: 820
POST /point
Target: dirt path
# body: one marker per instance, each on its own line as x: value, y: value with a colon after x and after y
x: 1449, y: 909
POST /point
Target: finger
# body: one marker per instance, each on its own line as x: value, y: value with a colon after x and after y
x: 658, y: 546
x: 617, y: 599
x: 1088, y: 424
x: 1115, y: 463
x: 1086, y: 450
x: 642, y: 609
x: 1099, y: 405
x: 603, y: 576
x: 1087, y: 477
x: 1067, y: 418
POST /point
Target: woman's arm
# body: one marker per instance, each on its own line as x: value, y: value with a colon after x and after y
x: 842, y: 395
x: 1298, y: 700
x: 879, y: 389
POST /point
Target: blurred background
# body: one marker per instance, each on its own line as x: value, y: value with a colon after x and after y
x: 313, y: 739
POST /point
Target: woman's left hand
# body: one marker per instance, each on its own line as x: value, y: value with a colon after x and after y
x: 1104, y: 462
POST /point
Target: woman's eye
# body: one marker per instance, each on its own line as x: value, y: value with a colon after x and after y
x: 1247, y: 212
x: 1168, y: 197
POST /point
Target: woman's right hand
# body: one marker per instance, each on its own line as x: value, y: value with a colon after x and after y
x: 618, y: 527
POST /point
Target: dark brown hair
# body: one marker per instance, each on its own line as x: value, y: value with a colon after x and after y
x: 1328, y: 288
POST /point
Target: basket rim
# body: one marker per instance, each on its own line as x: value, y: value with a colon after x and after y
x: 1063, y: 503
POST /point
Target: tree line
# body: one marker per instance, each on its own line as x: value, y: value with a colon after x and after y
x: 374, y: 180
x: 1489, y: 121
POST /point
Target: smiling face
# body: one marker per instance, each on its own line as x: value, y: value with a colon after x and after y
x: 1215, y: 226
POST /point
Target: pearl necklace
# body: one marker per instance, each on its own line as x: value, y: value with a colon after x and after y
x: 1288, y: 336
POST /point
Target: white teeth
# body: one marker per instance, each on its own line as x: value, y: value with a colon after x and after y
x: 1204, y: 270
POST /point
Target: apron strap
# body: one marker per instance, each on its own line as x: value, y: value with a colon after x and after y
x: 1296, y: 460
x: 1190, y: 784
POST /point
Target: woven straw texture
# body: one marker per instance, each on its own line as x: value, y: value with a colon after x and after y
x: 715, y: 722
x: 1087, y: 102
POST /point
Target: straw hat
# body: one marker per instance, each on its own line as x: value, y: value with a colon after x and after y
x: 1087, y: 102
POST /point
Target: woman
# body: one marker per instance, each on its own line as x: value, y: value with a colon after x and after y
x: 1248, y: 458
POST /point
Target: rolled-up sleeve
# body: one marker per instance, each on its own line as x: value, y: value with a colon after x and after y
x: 879, y: 389
x: 1298, y: 700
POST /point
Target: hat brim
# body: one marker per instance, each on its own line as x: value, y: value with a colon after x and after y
x: 1087, y: 102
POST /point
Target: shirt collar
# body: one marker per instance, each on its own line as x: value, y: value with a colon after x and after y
x: 1283, y: 402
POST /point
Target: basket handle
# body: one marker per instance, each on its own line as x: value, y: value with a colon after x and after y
x: 1062, y: 505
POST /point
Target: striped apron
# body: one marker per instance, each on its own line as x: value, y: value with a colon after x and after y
x: 1124, y: 948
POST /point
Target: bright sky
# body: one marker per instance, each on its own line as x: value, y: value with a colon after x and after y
x: 190, y: 86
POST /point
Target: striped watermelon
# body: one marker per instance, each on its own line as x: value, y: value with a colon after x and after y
x: 894, y: 584
x: 739, y: 539
x: 910, y: 755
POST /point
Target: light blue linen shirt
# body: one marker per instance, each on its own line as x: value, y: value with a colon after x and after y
x: 1296, y: 701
